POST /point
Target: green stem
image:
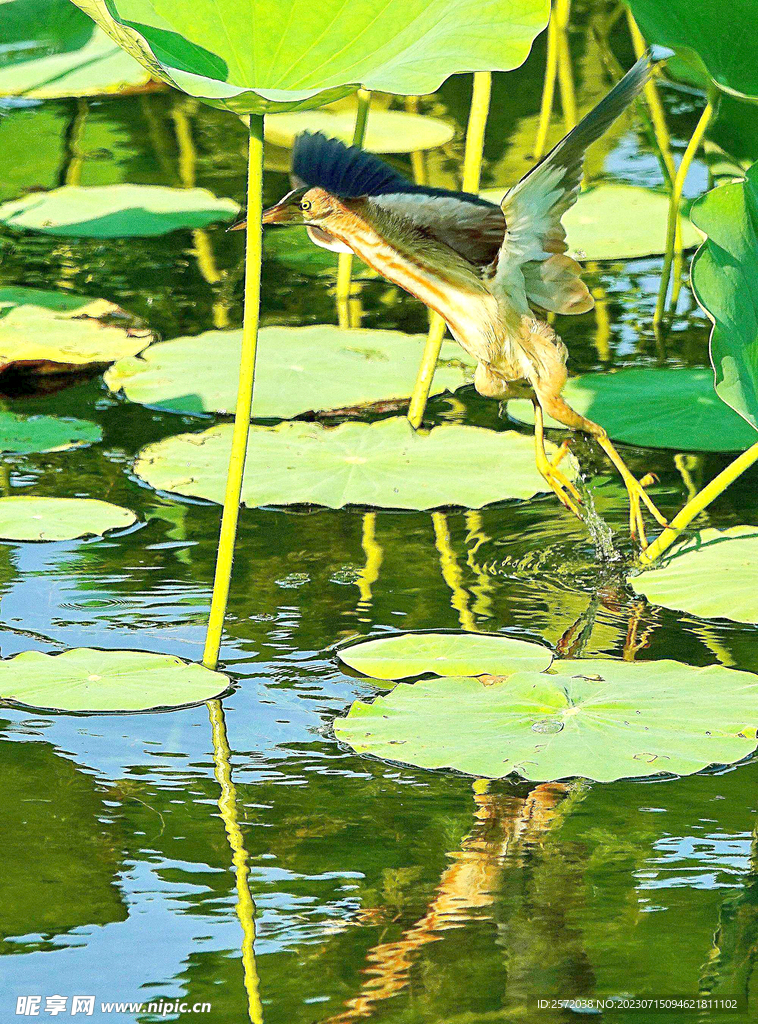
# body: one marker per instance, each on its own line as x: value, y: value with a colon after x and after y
x: 238, y: 453
x: 472, y: 172
x: 227, y: 805
x: 548, y: 89
x: 73, y: 155
x: 562, y: 16
x: 701, y: 501
x: 674, y: 207
x: 345, y: 259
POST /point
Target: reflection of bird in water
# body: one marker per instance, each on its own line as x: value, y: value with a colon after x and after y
x: 490, y: 271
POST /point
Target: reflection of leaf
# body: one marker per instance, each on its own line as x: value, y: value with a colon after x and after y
x: 653, y: 408
x: 25, y: 434
x: 599, y: 719
x: 445, y: 654
x: 725, y: 282
x: 384, y: 463
x: 298, y: 370
x: 25, y: 517
x: 712, y: 575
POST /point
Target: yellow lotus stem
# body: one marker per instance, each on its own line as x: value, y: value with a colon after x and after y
x: 565, y: 77
x: 238, y: 453
x: 472, y: 172
x: 369, y: 574
x: 674, y: 207
x: 451, y: 572
x: 548, y: 90
x: 345, y: 259
x: 701, y: 501
x: 653, y: 100
x: 72, y: 169
x: 227, y: 805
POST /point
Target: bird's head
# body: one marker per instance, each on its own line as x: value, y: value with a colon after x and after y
x: 302, y: 206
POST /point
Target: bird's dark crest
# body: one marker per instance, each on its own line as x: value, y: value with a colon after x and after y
x: 343, y: 171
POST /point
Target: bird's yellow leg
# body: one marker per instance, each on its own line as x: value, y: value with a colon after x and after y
x: 636, y: 491
x: 565, y: 491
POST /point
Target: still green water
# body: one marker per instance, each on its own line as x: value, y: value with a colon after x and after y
x: 383, y: 893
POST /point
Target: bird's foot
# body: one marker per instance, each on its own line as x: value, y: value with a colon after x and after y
x: 638, y: 496
x: 558, y: 482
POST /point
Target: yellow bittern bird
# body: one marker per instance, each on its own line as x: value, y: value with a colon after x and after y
x: 490, y: 271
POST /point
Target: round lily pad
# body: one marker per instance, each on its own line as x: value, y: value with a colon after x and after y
x: 54, y: 332
x: 386, y: 464
x: 653, y: 408
x: 445, y: 654
x: 116, y: 211
x: 614, y: 222
x: 23, y: 435
x: 86, y: 679
x: 712, y: 574
x: 387, y: 131
x: 298, y: 370
x: 24, y: 517
x: 598, y: 719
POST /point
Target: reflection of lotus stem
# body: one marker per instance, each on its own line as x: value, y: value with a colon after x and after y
x: 674, y: 207
x: 451, y: 572
x: 345, y: 259
x: 483, y: 586
x: 565, y: 77
x: 472, y: 172
x: 418, y: 156
x: 702, y: 500
x: 548, y: 90
x: 369, y: 574
x: 227, y: 805
x: 238, y: 453
x: 73, y: 155
x: 686, y: 463
x: 603, y: 335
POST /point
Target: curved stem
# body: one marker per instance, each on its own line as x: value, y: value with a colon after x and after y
x: 675, y: 205
x: 451, y: 572
x: 238, y: 453
x: 227, y: 805
x: 345, y: 259
x: 701, y: 501
x: 472, y: 172
x: 548, y: 89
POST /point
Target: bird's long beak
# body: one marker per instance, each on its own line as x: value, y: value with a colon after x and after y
x: 282, y: 213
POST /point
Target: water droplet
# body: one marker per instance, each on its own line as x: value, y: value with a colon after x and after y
x: 548, y: 725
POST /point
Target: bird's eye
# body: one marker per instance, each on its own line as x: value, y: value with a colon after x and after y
x: 305, y: 205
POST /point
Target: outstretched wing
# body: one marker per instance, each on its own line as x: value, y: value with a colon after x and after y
x: 532, y: 267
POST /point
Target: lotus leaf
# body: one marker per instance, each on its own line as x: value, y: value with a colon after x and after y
x: 51, y: 332
x: 86, y: 679
x: 22, y: 435
x: 385, y: 463
x: 597, y: 719
x: 116, y: 211
x: 299, y: 369
x: 445, y: 654
x: 615, y: 222
x: 725, y: 282
x: 24, y: 517
x: 387, y: 131
x: 256, y: 56
x: 653, y: 408
x: 712, y: 575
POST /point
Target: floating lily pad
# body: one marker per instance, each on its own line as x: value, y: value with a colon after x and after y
x: 25, y: 517
x: 386, y: 464
x: 445, y: 654
x: 387, y: 131
x: 298, y: 370
x: 116, y: 211
x: 653, y: 408
x: 86, y: 679
x: 615, y: 222
x: 599, y: 719
x: 725, y: 282
x: 23, y: 435
x: 712, y: 575
x: 52, y: 332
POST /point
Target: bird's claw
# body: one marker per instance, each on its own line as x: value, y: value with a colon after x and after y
x: 638, y: 496
x: 559, y: 483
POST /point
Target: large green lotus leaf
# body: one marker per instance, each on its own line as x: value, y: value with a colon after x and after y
x: 257, y: 56
x: 31, y: 28
x: 712, y: 575
x: 100, y: 67
x: 653, y: 408
x: 298, y: 370
x: 385, y: 463
x: 725, y: 282
x: 445, y: 654
x: 116, y: 211
x: 86, y: 679
x: 598, y: 719
x: 387, y: 131
x: 614, y: 222
x: 23, y: 435
x: 24, y: 517
x: 51, y: 332
x: 718, y: 32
